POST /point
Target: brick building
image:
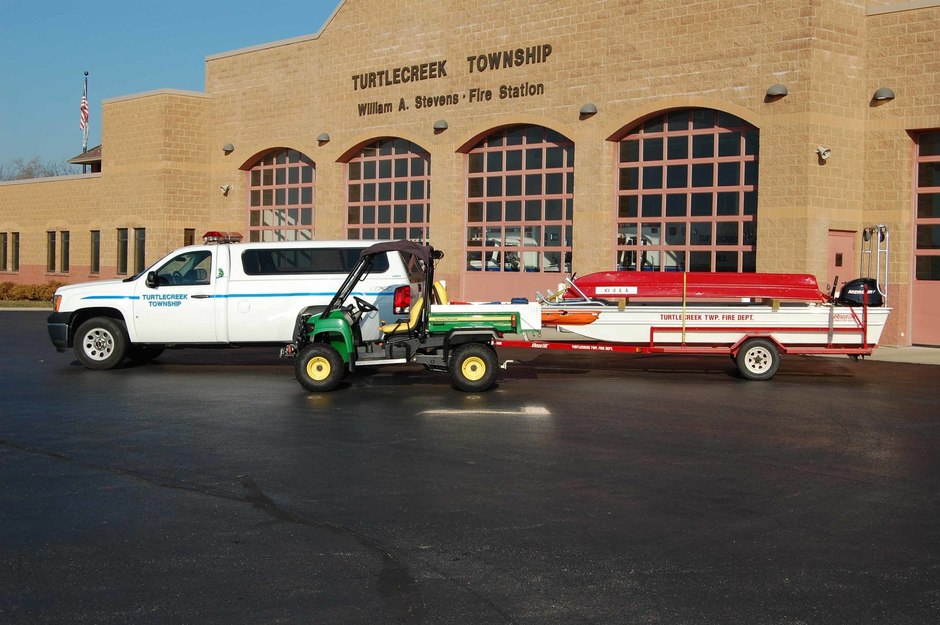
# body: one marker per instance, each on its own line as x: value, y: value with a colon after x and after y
x: 532, y: 139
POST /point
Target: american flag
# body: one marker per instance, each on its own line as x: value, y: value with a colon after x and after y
x: 84, y: 111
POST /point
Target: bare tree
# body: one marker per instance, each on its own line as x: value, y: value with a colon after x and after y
x: 18, y: 169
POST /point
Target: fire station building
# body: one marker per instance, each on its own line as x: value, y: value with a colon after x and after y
x: 533, y: 139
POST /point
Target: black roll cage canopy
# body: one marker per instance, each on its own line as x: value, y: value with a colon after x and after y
x: 422, y: 253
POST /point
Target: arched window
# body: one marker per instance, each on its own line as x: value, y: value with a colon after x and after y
x: 389, y: 191
x: 520, y: 190
x: 282, y: 194
x: 687, y: 193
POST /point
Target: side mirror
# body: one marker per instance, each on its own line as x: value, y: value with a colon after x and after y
x: 151, y: 279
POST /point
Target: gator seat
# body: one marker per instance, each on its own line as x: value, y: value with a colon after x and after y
x: 405, y: 325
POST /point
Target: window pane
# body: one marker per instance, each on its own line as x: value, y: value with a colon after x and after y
x: 928, y: 267
x: 928, y: 237
x: 652, y: 206
x: 677, y: 176
x: 928, y: 174
x: 653, y: 150
x: 726, y: 233
x: 703, y: 146
x: 928, y: 206
x: 629, y: 151
x: 929, y: 143
x: 702, y: 175
x: 726, y: 261
x: 700, y: 261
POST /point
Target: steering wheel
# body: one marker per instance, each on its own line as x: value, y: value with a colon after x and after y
x: 363, y: 305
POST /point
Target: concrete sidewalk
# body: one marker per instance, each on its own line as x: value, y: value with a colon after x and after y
x: 914, y: 354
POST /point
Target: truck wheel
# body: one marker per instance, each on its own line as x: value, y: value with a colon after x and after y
x: 101, y: 343
x: 473, y: 367
x: 758, y: 359
x: 319, y: 368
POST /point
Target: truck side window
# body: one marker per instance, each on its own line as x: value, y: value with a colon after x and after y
x: 190, y: 268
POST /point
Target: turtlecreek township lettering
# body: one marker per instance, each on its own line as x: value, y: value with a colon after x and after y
x: 162, y: 300
x: 399, y: 75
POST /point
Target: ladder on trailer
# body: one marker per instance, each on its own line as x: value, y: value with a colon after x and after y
x: 874, y: 257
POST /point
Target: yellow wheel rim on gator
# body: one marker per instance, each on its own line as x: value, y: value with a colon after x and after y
x: 318, y: 368
x: 473, y: 368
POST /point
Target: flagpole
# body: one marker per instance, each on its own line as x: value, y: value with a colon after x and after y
x: 85, y: 120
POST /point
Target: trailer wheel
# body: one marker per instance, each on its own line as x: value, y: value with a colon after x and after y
x: 473, y: 367
x: 758, y: 359
x: 101, y: 343
x: 319, y: 368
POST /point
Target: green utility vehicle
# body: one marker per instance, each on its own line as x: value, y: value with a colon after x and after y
x: 347, y: 334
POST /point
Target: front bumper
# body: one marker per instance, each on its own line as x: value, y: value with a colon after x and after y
x: 58, y: 326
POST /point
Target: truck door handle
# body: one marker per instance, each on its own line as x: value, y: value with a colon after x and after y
x: 199, y: 296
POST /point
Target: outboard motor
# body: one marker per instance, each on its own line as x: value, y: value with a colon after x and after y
x: 853, y: 293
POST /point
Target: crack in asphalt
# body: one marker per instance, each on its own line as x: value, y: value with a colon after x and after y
x: 395, y: 578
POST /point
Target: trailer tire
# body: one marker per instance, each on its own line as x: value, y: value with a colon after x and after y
x: 758, y: 359
x: 319, y: 368
x: 101, y: 343
x: 473, y: 367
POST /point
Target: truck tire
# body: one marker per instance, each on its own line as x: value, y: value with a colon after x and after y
x: 758, y: 359
x: 319, y: 368
x: 473, y: 367
x: 101, y: 343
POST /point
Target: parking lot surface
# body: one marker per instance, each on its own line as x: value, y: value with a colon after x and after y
x: 208, y: 487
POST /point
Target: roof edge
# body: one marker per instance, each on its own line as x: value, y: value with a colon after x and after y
x: 155, y: 92
x: 279, y: 43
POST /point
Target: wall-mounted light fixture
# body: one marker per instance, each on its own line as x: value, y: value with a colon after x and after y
x: 323, y: 137
x: 776, y: 91
x: 823, y: 153
x: 225, y: 188
x: 228, y: 148
x: 883, y: 94
x: 440, y: 126
x: 587, y: 110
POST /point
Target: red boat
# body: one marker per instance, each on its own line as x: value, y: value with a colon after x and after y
x: 614, y: 285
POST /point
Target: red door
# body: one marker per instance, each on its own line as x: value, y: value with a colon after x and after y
x: 925, y: 287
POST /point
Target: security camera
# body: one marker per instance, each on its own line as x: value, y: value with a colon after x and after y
x: 225, y: 188
x: 824, y: 152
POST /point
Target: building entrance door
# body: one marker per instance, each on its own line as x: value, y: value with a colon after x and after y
x: 841, y: 258
x: 925, y: 287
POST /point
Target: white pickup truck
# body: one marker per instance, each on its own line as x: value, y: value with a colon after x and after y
x: 219, y: 294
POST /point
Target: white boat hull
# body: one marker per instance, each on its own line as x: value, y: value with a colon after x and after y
x: 726, y: 324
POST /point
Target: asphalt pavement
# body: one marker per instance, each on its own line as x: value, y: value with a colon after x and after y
x: 208, y: 487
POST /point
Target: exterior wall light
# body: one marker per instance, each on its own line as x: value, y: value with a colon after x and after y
x: 777, y: 91
x: 228, y: 148
x: 883, y: 94
x: 440, y: 125
x: 587, y: 110
x: 323, y: 137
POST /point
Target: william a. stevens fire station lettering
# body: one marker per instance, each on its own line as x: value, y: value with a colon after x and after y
x: 477, y: 64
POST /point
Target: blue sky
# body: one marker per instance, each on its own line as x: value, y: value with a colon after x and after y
x: 127, y: 46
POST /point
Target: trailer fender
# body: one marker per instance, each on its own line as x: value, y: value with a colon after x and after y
x: 736, y: 348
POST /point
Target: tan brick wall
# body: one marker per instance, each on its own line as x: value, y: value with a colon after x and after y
x: 163, y: 151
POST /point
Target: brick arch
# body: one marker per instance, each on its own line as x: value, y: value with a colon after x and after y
x: 519, y: 205
x: 686, y: 192
x: 281, y: 195
x: 617, y: 128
